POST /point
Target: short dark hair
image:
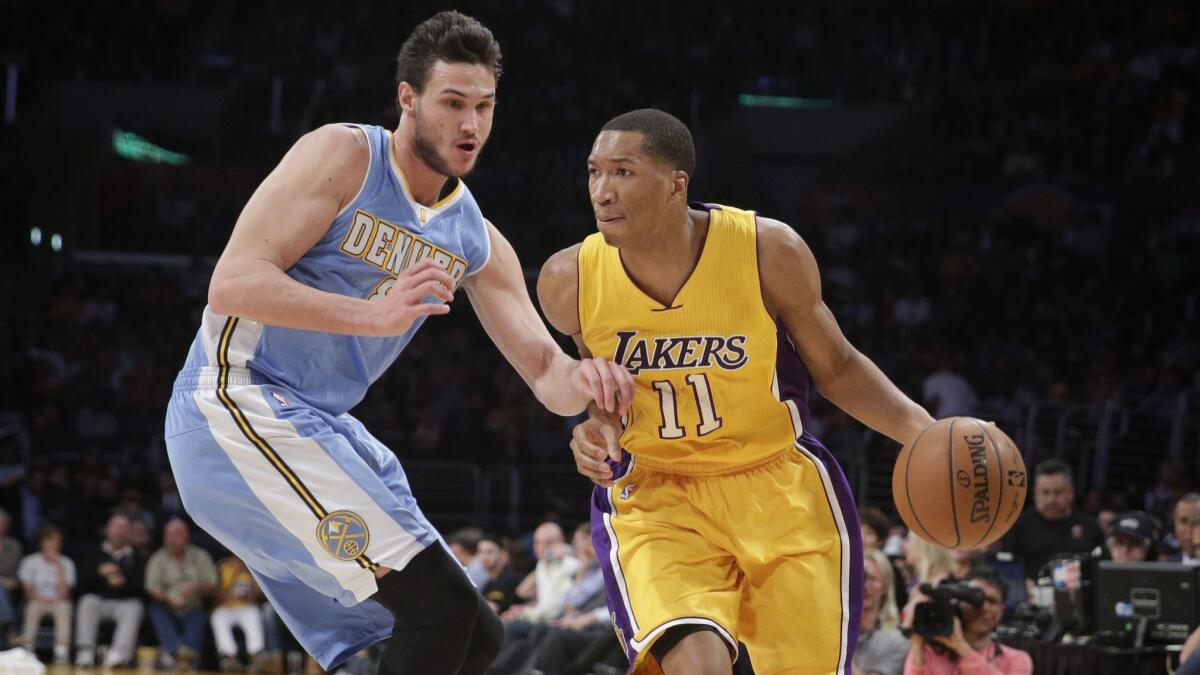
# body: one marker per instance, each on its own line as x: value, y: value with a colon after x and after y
x: 878, y: 521
x: 666, y: 137
x: 1053, y: 467
x: 990, y: 577
x: 46, y: 531
x: 448, y: 36
x: 468, y: 538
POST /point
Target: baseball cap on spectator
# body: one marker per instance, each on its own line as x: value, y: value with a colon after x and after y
x: 1137, y: 524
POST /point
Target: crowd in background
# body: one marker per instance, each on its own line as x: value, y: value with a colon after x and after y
x: 1079, y: 287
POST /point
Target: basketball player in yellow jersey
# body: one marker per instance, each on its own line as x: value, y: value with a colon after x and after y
x: 717, y: 517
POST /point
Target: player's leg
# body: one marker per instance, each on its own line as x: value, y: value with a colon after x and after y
x: 666, y: 572
x: 462, y: 610
x: 435, y: 607
x: 302, y: 500
x: 808, y: 555
x: 693, y: 649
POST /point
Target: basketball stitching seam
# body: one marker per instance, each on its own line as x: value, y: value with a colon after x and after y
x: 908, y: 492
x: 1000, y: 479
x: 950, y: 478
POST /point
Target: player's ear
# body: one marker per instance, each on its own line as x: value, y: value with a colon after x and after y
x: 407, y: 96
x: 679, y: 183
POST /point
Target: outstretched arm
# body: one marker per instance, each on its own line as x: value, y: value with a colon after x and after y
x: 596, y: 438
x: 287, y: 215
x: 565, y: 386
x: 791, y: 286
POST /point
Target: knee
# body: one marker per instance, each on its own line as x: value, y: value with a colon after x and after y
x: 435, y: 587
x: 702, y: 652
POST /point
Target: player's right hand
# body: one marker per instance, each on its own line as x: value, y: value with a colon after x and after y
x: 403, y: 303
x: 593, y: 441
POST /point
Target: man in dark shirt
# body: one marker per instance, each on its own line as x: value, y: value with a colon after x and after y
x: 500, y: 590
x: 111, y: 578
x: 1052, y: 526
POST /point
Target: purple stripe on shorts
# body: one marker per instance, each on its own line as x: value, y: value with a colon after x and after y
x: 841, y: 490
x: 602, y: 505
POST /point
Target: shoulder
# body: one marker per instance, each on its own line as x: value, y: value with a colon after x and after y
x: 786, y: 266
x: 781, y: 249
x: 562, y: 265
x: 337, y: 154
x: 1015, y: 656
x: 558, y: 289
x: 336, y: 142
x: 893, y: 637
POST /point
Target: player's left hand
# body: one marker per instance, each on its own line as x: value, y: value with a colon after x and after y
x: 607, y: 383
x: 592, y: 441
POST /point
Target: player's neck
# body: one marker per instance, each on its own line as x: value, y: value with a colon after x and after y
x: 663, y: 262
x: 423, y: 182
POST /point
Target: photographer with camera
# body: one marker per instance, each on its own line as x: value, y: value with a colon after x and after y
x: 952, y: 629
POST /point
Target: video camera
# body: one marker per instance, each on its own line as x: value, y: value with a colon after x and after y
x: 936, y: 616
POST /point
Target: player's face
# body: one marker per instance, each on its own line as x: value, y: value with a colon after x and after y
x: 1053, y: 496
x: 629, y: 188
x: 453, y: 116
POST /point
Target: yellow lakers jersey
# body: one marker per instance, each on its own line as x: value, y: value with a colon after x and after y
x: 707, y: 396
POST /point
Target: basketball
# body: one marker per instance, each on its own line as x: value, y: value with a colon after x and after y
x: 960, y: 484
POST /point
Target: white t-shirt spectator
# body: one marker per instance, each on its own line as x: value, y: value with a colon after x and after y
x: 36, y: 571
x: 949, y: 394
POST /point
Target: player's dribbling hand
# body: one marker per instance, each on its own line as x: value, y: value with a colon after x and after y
x: 403, y: 303
x: 593, y: 441
x: 607, y: 383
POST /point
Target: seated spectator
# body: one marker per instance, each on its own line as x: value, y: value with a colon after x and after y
x: 48, y: 577
x: 11, y: 553
x: 111, y: 583
x: 583, y: 636
x: 1177, y: 545
x: 238, y: 599
x: 971, y: 649
x: 581, y: 607
x: 1134, y: 537
x: 927, y: 563
x: 464, y: 544
x: 1104, y: 520
x: 875, y: 526
x: 500, y: 588
x: 881, y: 646
x: 178, y: 577
x: 543, y: 588
x: 1053, y: 525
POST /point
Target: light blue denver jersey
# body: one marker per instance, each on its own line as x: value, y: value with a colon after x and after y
x: 377, y: 235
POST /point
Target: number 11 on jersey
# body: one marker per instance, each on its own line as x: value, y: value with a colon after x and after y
x: 709, y: 421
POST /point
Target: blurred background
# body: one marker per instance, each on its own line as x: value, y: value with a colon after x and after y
x: 1001, y: 196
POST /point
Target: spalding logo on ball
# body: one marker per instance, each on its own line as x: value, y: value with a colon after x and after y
x: 960, y: 484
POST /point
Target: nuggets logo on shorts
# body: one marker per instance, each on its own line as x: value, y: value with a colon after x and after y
x: 343, y: 534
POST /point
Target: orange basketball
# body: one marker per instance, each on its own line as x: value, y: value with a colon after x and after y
x: 961, y: 484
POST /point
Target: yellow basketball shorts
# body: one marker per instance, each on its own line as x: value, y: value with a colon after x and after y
x: 769, y: 555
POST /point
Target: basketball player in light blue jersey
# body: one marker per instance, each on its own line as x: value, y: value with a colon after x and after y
x: 344, y: 250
